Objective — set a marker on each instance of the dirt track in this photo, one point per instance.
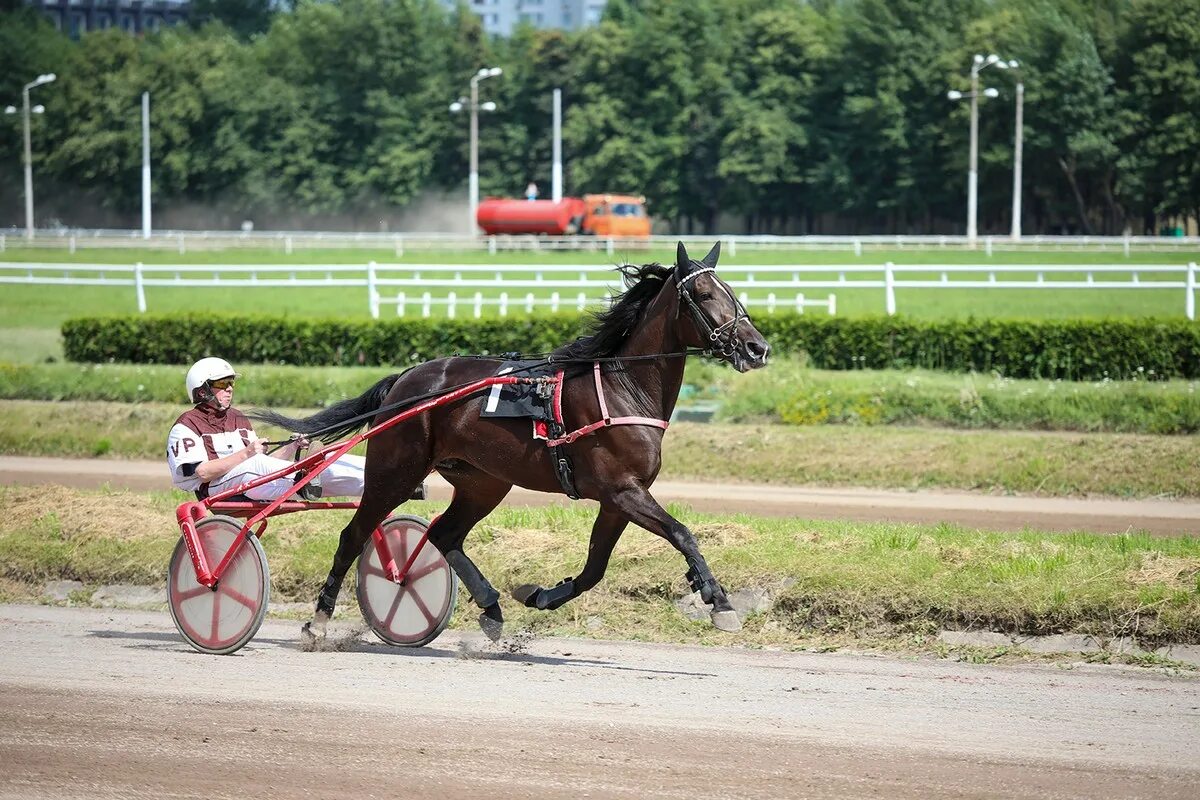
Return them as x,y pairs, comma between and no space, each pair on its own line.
1161,517
108,704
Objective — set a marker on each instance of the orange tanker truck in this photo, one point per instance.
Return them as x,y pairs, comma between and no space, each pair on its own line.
617,215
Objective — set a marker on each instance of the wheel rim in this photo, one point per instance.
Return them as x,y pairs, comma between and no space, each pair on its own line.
219,621
417,611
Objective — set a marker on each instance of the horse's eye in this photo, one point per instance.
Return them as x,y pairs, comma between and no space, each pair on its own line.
703,296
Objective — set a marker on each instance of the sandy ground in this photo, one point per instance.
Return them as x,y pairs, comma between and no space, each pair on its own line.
112,704
1162,517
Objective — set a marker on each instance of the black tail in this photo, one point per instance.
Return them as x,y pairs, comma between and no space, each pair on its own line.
337,421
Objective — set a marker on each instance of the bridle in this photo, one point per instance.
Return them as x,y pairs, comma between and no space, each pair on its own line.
721,337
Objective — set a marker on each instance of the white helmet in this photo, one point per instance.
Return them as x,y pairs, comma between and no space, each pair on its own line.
205,370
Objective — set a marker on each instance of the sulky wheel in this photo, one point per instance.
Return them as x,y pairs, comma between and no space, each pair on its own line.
223,620
414,612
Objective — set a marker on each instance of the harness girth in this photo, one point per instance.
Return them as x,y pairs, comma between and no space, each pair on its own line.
550,393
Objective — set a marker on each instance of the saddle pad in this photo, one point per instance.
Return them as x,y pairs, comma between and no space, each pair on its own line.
520,399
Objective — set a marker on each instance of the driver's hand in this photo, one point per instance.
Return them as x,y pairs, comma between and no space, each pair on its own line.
300,441
256,448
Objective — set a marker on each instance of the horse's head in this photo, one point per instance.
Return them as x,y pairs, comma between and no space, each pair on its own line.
719,322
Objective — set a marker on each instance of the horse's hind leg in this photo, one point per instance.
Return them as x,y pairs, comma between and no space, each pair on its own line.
476,494
606,530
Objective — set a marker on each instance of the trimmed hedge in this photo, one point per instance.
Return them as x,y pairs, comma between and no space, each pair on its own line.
1065,349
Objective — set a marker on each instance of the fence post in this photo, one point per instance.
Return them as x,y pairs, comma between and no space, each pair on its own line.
987,246
401,297
372,292
1190,303
732,247
799,302
399,247
832,304
889,283
857,247
1127,244
71,244
287,245
451,301
141,289
581,302
492,245
529,303
554,302
426,303
181,247
609,247
478,305
770,302
2,243
504,304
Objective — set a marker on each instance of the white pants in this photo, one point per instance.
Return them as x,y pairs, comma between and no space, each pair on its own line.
342,478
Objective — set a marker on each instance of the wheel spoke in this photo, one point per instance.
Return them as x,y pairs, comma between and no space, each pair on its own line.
190,593
238,597
401,559
371,569
416,596
216,617
387,623
415,574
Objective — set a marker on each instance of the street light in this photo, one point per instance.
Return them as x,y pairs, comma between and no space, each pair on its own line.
979,64
1018,138
474,106
38,109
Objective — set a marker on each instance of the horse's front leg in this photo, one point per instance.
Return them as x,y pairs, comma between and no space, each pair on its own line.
636,503
606,530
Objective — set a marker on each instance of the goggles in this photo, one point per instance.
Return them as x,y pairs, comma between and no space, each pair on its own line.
221,384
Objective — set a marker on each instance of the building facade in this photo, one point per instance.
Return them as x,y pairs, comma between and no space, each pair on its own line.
500,17
77,17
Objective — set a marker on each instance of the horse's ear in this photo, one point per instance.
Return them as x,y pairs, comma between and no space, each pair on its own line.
710,260
681,256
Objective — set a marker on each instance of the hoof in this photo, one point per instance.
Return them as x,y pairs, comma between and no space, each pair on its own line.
310,635
726,621
313,632
493,629
525,593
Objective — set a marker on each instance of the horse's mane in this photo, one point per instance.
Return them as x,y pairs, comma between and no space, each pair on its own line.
611,327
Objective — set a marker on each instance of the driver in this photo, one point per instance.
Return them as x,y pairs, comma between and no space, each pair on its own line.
213,446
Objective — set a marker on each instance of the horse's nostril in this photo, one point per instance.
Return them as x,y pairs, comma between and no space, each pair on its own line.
757,350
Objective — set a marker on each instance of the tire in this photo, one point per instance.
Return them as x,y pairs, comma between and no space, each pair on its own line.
222,621
413,613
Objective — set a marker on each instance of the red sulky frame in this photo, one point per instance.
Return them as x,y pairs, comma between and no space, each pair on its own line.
258,513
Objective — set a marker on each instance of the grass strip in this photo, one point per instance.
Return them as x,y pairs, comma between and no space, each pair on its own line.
841,582
787,392
1045,464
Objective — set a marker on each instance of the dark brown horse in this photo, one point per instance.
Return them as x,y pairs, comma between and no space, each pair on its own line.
640,342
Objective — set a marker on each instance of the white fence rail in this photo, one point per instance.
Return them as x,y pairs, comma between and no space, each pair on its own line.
288,242
478,286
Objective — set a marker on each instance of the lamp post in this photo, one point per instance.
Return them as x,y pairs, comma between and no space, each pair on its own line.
1018,138
474,106
25,110
979,64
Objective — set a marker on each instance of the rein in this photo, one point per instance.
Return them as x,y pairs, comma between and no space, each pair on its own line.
721,336
547,360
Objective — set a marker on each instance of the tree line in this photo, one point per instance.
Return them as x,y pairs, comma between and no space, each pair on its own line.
827,116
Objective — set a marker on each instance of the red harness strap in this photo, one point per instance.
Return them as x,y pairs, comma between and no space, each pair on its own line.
607,421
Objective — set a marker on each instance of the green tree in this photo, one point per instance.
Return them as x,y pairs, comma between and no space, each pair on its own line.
1160,79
